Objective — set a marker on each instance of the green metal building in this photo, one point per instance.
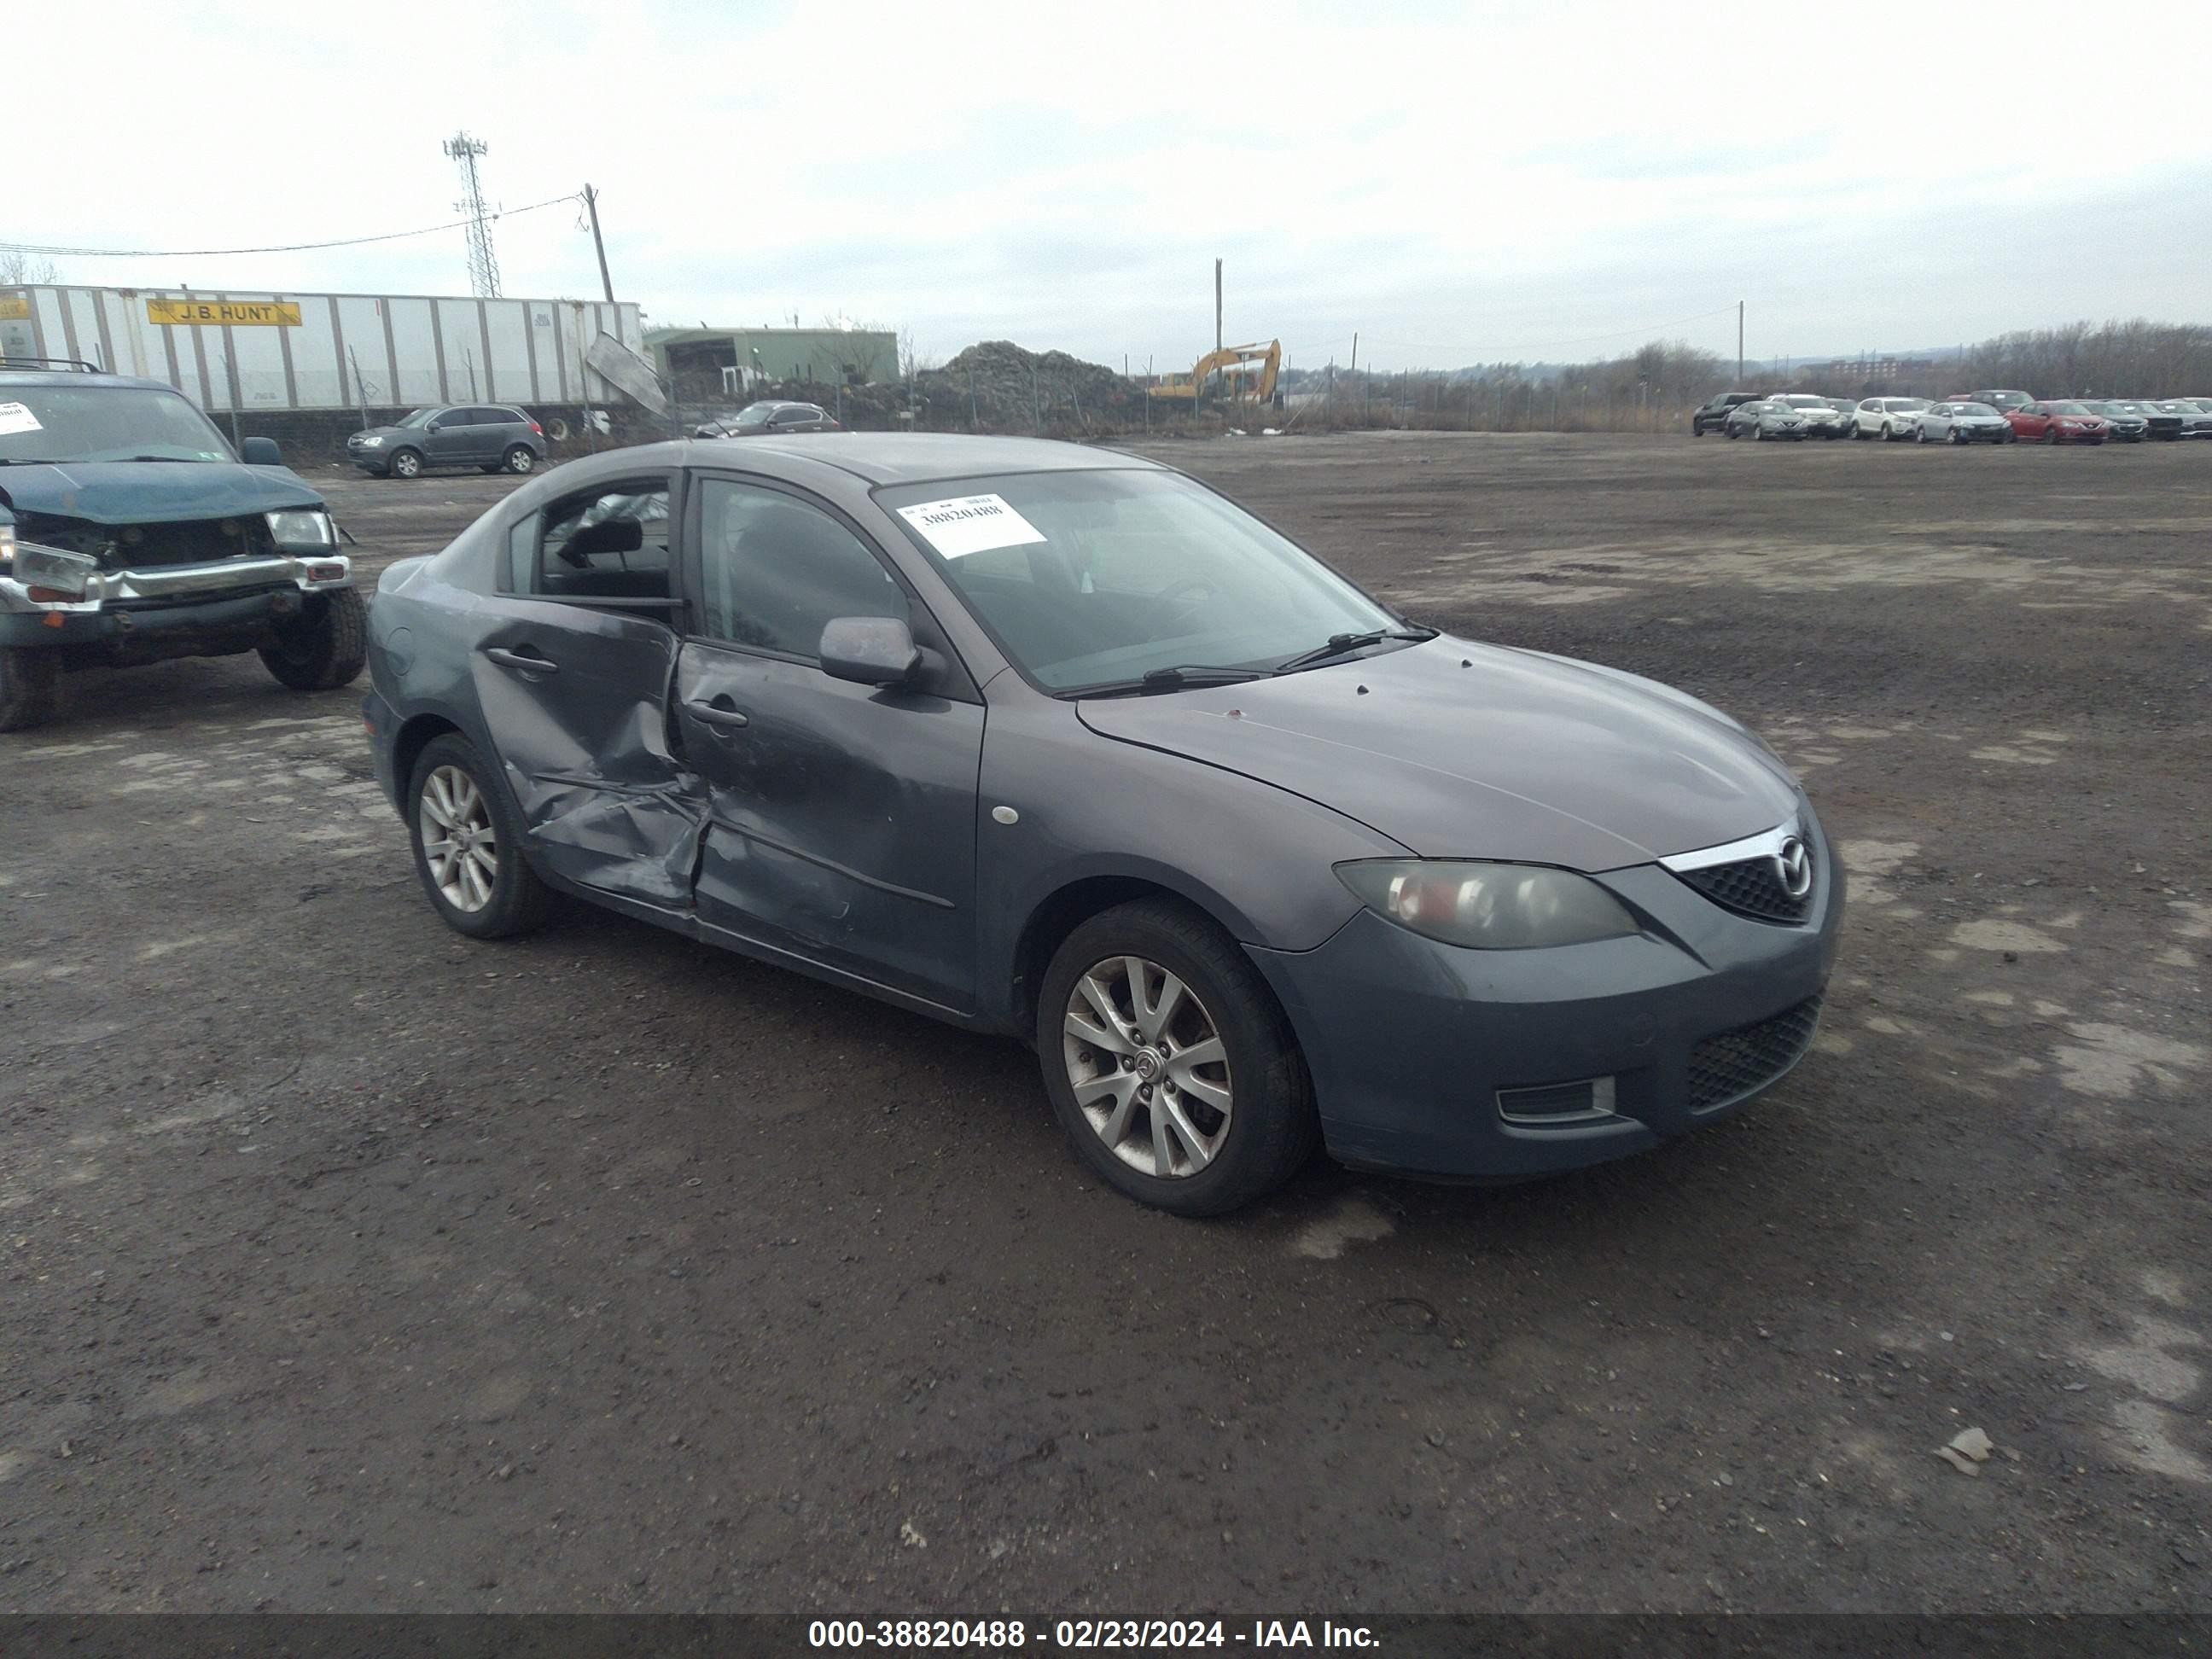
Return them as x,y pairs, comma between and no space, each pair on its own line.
703,362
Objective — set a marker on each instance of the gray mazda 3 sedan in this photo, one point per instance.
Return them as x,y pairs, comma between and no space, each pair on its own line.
1060,744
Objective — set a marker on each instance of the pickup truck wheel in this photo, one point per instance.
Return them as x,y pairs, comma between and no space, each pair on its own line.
468,844
325,645
30,687
405,464
520,459
1169,1064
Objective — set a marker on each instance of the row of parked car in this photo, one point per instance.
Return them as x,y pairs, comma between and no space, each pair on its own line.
502,438
1992,416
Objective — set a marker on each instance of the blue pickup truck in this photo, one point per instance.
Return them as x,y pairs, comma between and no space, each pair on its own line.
130,532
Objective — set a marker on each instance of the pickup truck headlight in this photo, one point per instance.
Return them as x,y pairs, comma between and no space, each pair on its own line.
7,547
302,529
1488,907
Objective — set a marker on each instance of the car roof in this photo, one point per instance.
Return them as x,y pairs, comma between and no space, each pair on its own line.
78,377
887,458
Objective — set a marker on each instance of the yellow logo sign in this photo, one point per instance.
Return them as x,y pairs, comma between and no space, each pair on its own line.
238,313
14,307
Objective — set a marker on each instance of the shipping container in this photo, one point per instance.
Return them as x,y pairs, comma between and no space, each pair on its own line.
251,350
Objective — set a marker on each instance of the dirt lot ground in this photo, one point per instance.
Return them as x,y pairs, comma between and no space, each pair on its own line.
350,1265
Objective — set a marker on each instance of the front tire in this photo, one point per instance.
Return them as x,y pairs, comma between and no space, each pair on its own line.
520,459
468,844
30,687
1169,1064
325,645
405,464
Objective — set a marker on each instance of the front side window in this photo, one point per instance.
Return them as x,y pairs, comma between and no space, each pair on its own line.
419,419
774,570
104,423
1093,578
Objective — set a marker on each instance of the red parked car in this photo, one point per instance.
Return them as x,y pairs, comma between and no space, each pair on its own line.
2058,421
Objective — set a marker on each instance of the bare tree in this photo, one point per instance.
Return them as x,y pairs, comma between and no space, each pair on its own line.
19,269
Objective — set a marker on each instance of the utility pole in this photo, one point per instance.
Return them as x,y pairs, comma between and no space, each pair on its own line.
592,206
1739,345
1217,305
483,269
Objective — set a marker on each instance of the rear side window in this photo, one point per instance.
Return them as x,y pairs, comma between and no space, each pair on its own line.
610,543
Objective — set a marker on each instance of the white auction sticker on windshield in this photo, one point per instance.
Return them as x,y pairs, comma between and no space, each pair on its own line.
972,524
17,417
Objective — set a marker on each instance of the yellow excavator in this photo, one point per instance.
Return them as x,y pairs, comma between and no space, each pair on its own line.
1247,374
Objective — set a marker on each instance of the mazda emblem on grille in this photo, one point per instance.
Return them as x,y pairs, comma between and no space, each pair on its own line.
1793,863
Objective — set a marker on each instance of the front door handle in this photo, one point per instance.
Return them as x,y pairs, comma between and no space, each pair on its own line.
528,662
716,714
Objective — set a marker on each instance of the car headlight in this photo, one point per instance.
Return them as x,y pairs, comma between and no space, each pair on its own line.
302,529
1488,907
372,441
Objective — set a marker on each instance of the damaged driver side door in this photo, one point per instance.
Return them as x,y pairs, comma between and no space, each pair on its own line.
571,667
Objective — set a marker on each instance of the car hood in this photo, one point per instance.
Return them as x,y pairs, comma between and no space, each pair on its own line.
388,432
1458,750
153,492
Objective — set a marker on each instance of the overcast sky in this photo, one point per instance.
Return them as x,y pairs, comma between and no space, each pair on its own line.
1458,183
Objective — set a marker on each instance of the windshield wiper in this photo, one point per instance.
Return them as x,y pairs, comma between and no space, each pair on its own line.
181,460
1168,679
1339,644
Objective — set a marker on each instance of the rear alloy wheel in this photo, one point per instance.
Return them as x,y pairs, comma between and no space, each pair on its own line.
468,847
406,464
520,459
325,645
1168,1063
30,687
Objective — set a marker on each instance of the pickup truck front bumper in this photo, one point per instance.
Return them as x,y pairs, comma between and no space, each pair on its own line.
172,610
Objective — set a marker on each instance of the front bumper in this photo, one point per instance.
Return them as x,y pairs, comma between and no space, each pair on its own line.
1411,1042
173,609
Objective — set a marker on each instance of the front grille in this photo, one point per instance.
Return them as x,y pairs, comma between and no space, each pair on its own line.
1750,887
1725,1068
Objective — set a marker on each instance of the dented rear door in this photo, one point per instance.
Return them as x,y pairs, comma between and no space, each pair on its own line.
573,697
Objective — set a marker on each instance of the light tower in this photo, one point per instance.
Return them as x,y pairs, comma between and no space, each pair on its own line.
483,268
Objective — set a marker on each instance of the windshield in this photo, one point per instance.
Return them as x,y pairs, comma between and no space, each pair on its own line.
1087,578
1803,402
104,423
756,414
2069,408
1971,409
1905,405
420,417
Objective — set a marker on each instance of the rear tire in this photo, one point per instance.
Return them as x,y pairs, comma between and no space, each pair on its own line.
30,687
325,646
465,791
405,464
520,459
1270,1127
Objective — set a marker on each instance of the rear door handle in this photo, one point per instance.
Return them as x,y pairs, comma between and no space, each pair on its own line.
713,714
527,661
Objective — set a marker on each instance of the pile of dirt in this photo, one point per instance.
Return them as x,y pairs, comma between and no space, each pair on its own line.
1003,387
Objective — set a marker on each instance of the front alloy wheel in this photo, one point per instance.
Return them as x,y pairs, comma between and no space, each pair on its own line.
1169,1064
1145,1061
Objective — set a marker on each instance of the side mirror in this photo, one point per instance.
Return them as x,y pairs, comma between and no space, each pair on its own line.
869,651
261,452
